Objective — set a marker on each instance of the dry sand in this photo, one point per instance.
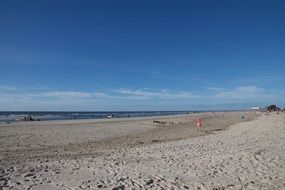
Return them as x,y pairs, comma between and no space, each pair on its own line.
75,138
136,154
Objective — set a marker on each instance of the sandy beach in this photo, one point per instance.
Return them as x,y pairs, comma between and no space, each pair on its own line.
142,95
136,153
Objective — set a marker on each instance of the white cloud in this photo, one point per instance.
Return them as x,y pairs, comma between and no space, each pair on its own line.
100,95
26,99
161,94
40,99
66,94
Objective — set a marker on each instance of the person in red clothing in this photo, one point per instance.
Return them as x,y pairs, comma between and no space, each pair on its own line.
198,123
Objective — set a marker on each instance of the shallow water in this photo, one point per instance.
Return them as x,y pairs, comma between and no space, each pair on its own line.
44,116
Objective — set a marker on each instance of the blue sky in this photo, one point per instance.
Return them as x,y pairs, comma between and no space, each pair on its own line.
141,55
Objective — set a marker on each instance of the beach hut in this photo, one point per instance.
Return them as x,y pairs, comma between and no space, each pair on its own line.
255,108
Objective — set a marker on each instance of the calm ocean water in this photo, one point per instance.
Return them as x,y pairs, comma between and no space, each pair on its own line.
44,116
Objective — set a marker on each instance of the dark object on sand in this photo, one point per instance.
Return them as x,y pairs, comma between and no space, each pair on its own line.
159,122
272,108
29,118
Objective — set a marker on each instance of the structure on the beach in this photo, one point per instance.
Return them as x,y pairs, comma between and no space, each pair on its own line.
273,107
255,108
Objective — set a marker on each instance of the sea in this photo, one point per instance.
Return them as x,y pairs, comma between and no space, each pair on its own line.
45,116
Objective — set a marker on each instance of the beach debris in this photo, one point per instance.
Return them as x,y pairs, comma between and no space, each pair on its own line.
109,116
159,122
155,140
165,122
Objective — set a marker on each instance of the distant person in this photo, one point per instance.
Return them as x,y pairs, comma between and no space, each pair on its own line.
198,123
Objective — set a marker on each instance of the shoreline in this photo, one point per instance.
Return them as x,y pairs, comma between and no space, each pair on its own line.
118,119
112,118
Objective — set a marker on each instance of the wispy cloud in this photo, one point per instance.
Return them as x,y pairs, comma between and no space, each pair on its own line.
215,88
4,88
12,98
68,95
244,93
64,94
162,94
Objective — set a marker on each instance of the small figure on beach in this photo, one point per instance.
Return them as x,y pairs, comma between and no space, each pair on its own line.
28,118
198,123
